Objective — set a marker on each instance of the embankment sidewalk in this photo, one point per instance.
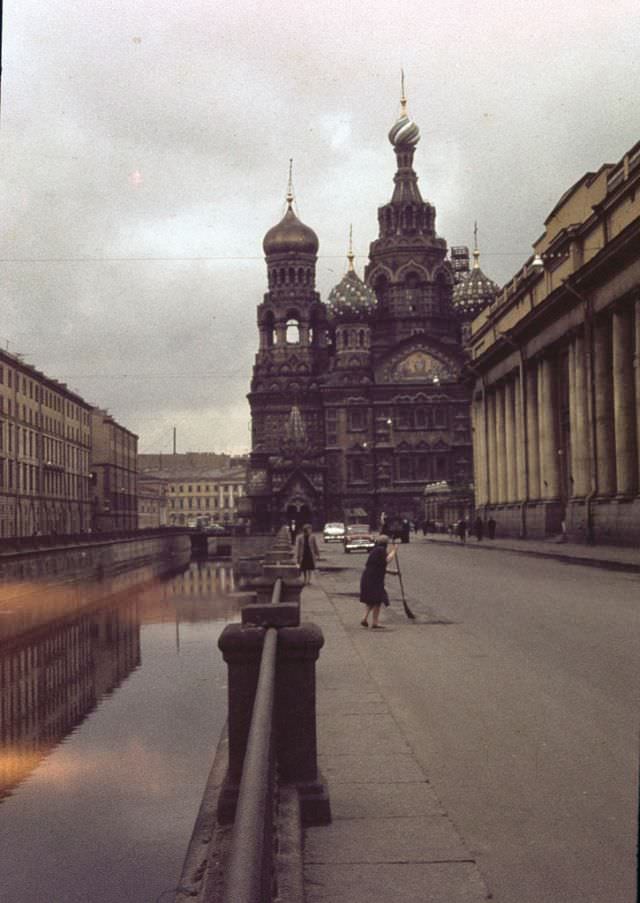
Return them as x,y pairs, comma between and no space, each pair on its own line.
619,558
390,838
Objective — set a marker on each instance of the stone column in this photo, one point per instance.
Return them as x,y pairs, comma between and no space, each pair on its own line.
580,457
605,442
573,460
491,448
636,366
501,472
509,442
549,470
479,452
624,402
520,434
533,438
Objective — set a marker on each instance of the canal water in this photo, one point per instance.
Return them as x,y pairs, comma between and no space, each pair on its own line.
110,714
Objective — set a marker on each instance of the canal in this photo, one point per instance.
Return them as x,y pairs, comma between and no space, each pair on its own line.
110,713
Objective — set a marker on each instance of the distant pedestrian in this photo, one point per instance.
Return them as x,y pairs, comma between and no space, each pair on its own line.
491,528
372,591
462,530
307,552
478,527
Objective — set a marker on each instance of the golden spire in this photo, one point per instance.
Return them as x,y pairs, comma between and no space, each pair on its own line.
290,184
476,252
350,254
403,98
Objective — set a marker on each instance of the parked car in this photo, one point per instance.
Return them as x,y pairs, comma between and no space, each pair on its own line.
218,530
333,532
358,538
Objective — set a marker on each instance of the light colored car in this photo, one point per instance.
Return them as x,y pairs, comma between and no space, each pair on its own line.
358,538
333,532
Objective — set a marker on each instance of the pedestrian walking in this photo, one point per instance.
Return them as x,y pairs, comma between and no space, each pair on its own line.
479,528
491,528
462,530
307,552
372,591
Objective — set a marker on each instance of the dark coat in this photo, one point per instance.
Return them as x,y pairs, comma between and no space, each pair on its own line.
372,591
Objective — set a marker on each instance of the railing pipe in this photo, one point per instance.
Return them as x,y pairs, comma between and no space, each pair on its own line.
250,868
276,595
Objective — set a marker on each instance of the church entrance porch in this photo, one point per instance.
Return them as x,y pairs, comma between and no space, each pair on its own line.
297,515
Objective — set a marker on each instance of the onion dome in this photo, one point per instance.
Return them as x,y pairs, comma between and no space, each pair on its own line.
351,299
290,235
404,132
474,290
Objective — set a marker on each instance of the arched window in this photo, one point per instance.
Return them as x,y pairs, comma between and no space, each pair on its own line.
381,288
270,330
293,331
361,338
300,276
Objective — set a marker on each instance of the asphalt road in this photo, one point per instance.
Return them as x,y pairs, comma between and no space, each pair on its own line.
517,688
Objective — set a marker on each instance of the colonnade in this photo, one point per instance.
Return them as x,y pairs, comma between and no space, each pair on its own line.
564,424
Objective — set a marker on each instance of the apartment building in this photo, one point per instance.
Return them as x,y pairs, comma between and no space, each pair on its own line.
45,439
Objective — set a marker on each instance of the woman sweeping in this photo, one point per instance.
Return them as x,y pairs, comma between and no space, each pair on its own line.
307,552
372,591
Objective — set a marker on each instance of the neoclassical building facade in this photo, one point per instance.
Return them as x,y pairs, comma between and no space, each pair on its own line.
358,403
555,364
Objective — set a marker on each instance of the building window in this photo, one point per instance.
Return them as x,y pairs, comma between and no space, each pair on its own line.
440,419
421,418
357,419
405,467
423,470
356,469
404,417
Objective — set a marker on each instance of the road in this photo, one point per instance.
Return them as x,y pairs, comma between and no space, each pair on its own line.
517,688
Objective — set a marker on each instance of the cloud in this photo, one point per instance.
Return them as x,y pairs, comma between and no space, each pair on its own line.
145,153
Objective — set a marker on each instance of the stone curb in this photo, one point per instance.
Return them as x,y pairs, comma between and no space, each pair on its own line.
609,564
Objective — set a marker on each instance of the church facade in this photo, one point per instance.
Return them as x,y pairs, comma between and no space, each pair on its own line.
358,404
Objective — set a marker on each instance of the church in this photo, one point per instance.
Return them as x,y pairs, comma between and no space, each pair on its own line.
359,403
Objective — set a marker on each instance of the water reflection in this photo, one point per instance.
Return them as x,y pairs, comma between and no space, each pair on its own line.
109,716
51,679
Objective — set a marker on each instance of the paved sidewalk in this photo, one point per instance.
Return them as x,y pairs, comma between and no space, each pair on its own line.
390,838
620,558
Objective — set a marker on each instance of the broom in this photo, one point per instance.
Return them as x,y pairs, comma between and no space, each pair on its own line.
398,573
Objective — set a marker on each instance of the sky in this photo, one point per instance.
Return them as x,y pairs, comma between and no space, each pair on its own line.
144,152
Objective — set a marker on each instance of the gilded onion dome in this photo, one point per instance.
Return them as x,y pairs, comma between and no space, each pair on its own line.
475,290
351,300
290,235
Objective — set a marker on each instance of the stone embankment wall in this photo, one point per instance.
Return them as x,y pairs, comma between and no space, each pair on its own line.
95,558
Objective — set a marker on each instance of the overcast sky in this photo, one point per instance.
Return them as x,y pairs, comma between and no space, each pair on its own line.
145,148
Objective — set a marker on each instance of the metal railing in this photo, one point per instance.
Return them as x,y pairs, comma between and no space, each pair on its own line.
250,873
